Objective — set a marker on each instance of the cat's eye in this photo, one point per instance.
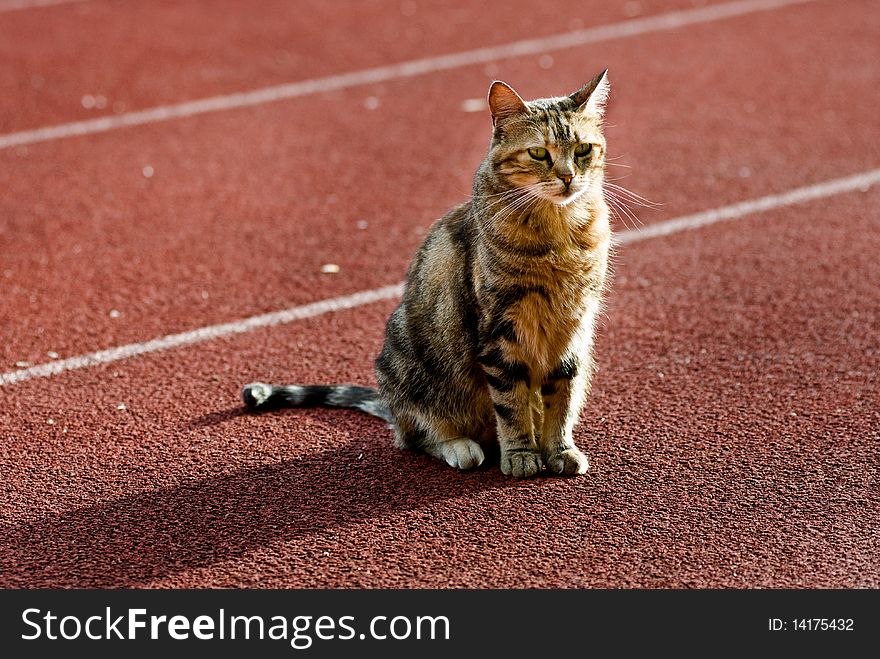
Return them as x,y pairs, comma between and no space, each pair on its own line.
582,150
539,153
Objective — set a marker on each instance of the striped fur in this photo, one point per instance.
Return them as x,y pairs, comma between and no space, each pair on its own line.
493,339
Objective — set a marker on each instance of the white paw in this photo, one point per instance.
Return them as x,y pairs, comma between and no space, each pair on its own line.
570,461
462,453
256,393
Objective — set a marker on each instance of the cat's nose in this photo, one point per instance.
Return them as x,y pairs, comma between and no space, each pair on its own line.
565,178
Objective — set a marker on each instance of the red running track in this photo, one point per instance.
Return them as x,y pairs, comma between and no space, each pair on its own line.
733,427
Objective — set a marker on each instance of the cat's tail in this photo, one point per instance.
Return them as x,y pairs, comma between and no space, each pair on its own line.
260,396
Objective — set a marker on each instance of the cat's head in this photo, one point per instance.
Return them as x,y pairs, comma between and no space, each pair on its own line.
550,148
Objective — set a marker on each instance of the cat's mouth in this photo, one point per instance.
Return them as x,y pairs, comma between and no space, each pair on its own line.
563,196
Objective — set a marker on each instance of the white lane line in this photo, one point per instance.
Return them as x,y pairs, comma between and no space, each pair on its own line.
741,209
15,5
668,21
862,181
205,334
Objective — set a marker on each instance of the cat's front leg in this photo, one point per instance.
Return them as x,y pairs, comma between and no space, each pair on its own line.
509,388
564,391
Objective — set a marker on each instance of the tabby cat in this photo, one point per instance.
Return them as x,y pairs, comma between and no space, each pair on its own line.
493,339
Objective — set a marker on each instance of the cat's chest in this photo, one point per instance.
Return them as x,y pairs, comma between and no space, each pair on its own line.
544,305
548,323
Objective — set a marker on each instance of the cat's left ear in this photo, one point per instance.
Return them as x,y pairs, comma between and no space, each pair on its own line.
590,98
504,102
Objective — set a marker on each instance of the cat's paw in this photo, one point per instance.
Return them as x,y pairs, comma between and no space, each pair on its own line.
570,461
256,394
520,463
462,453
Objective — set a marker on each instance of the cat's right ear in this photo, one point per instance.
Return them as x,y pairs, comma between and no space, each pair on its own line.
591,98
505,103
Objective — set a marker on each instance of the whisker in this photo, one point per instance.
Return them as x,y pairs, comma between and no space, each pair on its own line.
515,195
497,194
527,199
621,217
632,196
616,212
622,209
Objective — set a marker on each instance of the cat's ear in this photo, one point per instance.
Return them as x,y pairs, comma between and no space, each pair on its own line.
504,102
590,99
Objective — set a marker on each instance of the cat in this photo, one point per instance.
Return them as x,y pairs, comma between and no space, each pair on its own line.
492,343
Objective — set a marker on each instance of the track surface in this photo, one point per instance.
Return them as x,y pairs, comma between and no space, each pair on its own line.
734,426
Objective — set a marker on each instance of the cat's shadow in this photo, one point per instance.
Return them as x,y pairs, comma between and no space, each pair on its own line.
140,538
216,418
